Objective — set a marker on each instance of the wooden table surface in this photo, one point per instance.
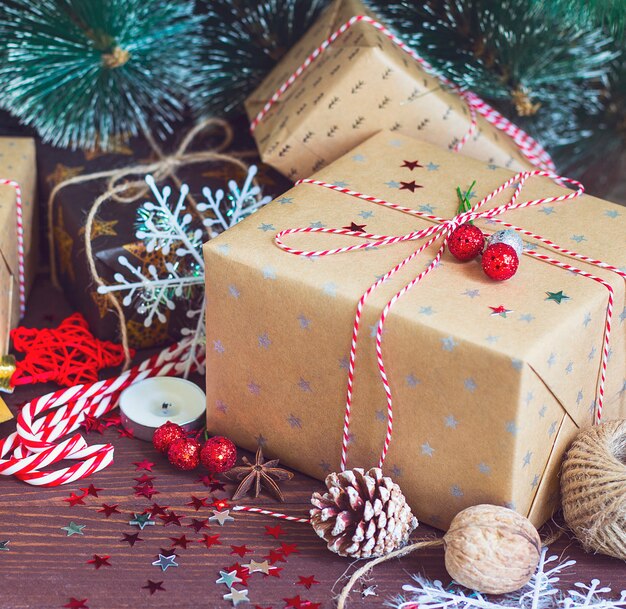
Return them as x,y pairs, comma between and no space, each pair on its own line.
45,568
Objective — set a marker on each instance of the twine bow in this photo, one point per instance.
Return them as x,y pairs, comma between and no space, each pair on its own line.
442,230
123,186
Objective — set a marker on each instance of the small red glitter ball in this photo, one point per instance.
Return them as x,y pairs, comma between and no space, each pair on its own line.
184,453
500,261
218,454
165,435
466,242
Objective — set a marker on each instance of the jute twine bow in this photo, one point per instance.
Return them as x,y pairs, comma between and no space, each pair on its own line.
127,185
593,489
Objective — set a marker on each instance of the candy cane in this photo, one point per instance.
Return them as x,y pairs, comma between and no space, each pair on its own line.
33,445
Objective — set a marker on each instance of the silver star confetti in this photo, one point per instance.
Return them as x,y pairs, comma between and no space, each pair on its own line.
141,521
221,517
258,567
165,562
229,579
74,529
237,596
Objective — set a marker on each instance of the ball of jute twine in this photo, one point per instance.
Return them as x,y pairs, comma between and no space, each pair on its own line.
593,489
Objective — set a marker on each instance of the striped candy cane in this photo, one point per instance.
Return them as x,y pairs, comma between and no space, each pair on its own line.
33,446
19,225
441,230
530,148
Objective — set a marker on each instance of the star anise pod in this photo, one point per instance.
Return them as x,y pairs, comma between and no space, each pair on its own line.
260,473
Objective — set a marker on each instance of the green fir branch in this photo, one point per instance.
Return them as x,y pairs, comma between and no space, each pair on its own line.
243,41
85,72
539,69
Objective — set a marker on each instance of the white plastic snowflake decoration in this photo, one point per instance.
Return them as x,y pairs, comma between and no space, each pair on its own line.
162,228
540,593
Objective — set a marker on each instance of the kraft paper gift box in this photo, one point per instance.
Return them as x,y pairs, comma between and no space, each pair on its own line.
491,380
17,163
361,83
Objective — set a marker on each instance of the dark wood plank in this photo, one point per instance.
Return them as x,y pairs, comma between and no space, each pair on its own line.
44,567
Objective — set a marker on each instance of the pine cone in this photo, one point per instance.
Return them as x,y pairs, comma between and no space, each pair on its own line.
363,514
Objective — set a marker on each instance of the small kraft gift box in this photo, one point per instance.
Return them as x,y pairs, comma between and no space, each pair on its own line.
350,77
486,382
18,251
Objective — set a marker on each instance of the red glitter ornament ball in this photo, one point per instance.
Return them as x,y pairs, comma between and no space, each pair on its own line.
218,454
466,242
500,261
184,453
166,435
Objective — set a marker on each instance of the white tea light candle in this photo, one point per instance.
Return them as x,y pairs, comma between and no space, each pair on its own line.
152,402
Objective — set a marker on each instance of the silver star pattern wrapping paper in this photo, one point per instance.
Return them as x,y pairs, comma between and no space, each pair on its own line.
17,162
361,83
491,380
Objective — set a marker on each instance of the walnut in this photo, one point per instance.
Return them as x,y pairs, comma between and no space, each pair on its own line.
491,549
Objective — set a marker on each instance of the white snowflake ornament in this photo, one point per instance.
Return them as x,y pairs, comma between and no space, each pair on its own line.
173,232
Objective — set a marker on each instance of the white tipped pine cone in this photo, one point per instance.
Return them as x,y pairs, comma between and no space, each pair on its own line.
363,514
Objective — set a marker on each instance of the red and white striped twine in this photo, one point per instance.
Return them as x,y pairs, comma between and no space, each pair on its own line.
19,225
246,508
529,147
442,230
33,446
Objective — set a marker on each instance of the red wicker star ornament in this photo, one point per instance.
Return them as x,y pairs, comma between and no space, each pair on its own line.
68,354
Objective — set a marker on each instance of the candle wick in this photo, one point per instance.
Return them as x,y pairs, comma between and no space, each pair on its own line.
165,406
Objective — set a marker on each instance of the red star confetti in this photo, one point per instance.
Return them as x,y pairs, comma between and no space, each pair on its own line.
355,228
412,186
76,603
171,518
275,571
210,540
112,420
275,556
501,311
241,551
411,165
215,485
107,510
197,503
125,433
67,355
131,539
145,464
310,605
307,582
99,561
75,499
180,542
145,480
295,603
242,572
91,490
288,548
145,490
220,504
158,510
197,525
91,423
275,532
205,479
153,587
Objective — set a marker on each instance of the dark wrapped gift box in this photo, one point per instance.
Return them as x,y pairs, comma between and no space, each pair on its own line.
114,229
